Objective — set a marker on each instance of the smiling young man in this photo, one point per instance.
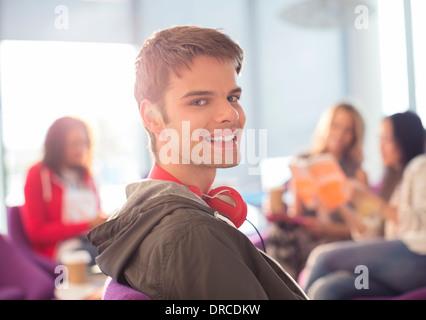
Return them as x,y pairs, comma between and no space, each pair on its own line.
168,240
201,99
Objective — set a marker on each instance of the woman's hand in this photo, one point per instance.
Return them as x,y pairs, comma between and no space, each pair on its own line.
313,225
364,200
101,218
356,190
389,213
273,206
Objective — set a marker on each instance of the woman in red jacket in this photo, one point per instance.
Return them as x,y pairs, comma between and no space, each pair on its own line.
61,200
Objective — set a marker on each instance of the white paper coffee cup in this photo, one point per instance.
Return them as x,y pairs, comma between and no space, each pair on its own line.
76,262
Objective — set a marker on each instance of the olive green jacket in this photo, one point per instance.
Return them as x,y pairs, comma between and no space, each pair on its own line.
167,243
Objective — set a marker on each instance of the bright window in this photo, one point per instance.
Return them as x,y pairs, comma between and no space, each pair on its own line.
42,81
418,8
393,56
393,53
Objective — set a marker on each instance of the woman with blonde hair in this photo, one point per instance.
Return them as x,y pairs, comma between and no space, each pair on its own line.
296,230
340,131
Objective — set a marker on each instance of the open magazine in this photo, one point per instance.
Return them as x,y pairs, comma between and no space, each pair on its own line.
319,180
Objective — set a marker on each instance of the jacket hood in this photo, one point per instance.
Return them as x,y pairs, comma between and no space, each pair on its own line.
148,202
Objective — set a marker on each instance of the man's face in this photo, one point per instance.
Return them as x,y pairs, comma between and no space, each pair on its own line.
202,106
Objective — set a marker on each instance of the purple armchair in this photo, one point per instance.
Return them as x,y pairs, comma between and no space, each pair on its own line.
24,274
20,277
415,294
18,236
116,291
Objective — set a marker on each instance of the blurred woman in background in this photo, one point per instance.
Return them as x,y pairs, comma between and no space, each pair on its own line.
61,200
297,229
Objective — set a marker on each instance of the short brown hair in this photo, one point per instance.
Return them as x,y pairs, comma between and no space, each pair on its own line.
170,49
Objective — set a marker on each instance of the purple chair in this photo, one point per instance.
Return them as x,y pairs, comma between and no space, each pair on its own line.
415,294
20,277
116,291
19,237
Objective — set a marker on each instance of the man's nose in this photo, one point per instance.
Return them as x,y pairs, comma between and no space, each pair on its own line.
227,113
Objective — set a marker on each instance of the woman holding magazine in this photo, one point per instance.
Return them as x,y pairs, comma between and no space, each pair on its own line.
389,265
297,229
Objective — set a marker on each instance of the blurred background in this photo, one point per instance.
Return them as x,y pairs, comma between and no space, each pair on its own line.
76,57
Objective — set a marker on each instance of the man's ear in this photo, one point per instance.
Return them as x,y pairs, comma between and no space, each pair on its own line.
151,116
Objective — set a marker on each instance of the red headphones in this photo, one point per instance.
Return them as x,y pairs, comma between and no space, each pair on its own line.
225,200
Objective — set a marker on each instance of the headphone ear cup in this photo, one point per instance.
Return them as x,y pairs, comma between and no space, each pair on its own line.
236,211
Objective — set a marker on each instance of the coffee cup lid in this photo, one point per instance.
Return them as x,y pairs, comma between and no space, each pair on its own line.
78,256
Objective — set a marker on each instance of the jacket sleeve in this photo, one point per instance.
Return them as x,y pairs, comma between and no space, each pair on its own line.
44,228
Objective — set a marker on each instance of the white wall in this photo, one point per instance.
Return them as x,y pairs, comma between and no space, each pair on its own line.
301,74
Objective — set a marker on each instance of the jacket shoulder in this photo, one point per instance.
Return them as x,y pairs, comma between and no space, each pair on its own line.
179,250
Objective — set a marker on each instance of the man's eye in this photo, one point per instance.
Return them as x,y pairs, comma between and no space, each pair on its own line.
199,102
233,99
